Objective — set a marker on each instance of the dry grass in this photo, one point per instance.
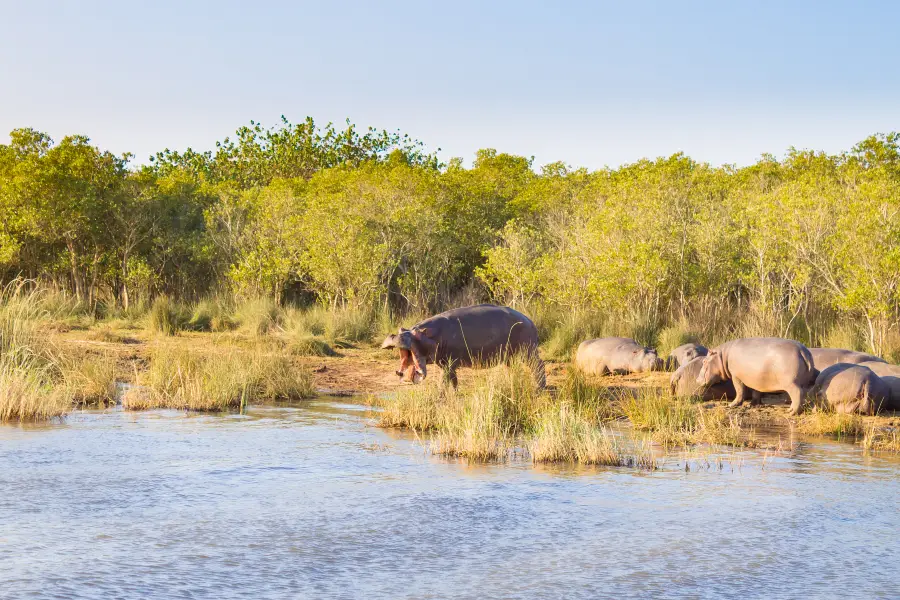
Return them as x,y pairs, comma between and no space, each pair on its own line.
824,421
562,435
29,374
225,379
90,377
881,440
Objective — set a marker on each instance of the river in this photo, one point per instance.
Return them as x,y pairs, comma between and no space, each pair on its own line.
312,501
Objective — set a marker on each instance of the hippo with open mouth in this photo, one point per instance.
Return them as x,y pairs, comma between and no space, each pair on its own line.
471,336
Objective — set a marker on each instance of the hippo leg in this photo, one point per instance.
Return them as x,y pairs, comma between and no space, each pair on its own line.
739,389
755,398
450,375
540,372
797,394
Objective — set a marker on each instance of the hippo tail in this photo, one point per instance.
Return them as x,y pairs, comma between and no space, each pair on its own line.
811,367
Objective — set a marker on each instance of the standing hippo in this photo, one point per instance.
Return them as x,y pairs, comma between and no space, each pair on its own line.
825,357
684,354
616,355
470,336
890,374
852,388
684,383
763,364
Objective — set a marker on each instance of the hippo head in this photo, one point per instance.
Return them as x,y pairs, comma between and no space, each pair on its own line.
645,359
415,347
713,369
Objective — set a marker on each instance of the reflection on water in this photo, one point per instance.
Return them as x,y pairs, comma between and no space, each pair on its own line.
314,502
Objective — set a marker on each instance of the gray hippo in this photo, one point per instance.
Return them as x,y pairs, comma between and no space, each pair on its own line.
469,336
684,383
763,364
852,388
890,374
825,357
684,354
615,355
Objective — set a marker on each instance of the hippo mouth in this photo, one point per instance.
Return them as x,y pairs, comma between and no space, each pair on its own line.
411,369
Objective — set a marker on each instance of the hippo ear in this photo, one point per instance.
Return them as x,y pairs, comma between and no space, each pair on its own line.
390,341
420,332
402,329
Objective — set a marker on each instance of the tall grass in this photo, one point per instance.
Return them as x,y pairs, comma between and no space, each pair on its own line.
224,379
258,316
166,316
563,435
29,373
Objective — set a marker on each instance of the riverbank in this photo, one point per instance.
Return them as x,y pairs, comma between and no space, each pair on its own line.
640,401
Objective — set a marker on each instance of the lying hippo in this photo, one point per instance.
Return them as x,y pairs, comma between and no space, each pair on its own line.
890,374
852,388
684,383
825,357
684,354
763,364
470,336
615,355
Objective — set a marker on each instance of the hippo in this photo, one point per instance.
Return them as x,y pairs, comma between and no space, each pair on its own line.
825,357
684,354
890,374
468,336
684,383
850,388
763,364
616,355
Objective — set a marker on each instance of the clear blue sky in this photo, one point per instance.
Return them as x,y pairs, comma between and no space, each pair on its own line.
588,83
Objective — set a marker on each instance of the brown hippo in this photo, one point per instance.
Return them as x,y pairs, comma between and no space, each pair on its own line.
684,383
684,354
852,388
469,336
615,355
763,364
825,357
890,374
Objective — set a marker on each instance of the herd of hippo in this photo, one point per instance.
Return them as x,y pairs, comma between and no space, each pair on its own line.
849,381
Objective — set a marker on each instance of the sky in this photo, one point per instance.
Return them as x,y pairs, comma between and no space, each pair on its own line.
591,84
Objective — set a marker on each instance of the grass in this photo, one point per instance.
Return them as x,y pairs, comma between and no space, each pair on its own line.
310,345
90,377
560,337
822,420
30,387
589,400
225,379
563,435
258,316
675,335
673,421
880,440
166,317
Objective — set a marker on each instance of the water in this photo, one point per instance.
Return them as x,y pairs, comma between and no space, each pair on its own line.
313,502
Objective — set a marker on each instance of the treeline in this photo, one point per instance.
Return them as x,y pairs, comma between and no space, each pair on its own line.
370,220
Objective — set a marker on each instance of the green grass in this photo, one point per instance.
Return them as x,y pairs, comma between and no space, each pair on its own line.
258,316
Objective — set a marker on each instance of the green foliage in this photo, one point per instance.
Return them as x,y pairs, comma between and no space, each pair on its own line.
366,220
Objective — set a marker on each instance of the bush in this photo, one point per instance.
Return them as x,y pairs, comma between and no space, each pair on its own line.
166,316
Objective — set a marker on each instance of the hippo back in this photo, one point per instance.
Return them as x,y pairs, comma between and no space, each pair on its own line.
852,388
480,332
825,357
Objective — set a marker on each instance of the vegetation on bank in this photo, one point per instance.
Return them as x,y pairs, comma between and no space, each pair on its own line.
800,247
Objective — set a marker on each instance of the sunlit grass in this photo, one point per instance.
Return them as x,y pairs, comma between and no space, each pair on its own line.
822,420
